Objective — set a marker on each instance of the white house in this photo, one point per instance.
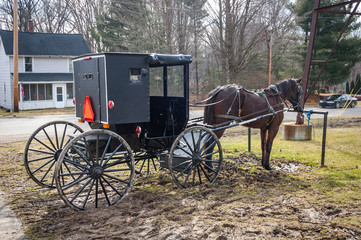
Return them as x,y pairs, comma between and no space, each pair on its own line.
45,69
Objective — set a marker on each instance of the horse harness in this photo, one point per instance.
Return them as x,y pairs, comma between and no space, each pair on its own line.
270,109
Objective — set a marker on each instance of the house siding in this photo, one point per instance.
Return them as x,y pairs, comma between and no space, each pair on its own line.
50,65
5,86
51,57
43,65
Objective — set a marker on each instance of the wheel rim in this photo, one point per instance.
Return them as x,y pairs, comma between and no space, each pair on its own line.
43,149
195,157
94,170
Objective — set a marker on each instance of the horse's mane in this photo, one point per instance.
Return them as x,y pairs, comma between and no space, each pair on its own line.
282,87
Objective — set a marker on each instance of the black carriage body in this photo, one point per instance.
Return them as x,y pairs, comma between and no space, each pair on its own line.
148,90
106,77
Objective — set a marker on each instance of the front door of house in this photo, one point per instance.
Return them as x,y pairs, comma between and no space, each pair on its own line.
59,95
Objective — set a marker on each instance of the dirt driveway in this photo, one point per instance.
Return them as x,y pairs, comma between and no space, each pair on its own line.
246,202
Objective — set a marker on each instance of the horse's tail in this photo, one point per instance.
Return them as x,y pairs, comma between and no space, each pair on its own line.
208,116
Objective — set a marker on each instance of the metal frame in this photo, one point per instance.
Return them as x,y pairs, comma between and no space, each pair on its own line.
309,61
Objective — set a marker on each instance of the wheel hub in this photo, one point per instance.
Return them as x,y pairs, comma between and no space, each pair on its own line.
196,160
97,172
57,154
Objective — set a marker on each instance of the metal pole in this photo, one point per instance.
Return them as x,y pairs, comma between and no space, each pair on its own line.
249,139
324,139
306,72
16,62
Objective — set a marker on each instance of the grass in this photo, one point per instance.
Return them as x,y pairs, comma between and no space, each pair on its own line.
339,180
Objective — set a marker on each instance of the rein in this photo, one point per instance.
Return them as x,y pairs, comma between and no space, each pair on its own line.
200,103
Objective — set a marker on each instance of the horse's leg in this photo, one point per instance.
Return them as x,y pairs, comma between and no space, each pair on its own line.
263,143
272,132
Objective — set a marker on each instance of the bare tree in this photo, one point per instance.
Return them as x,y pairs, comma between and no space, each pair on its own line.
236,28
26,11
52,16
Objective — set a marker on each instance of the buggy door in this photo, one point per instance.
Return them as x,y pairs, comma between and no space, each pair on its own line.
86,83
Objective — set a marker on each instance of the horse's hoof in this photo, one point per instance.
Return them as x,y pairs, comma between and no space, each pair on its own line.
267,167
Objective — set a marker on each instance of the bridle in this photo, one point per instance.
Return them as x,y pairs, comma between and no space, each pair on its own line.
297,103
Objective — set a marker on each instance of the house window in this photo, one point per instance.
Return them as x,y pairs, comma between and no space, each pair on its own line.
35,92
69,91
41,92
28,64
49,91
26,89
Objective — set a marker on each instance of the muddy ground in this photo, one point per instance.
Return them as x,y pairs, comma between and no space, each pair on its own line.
245,202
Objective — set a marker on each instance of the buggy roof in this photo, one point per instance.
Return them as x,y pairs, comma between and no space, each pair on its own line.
153,59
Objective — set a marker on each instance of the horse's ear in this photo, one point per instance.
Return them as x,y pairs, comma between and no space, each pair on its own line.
299,80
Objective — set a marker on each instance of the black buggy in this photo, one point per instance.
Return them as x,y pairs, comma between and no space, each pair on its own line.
137,106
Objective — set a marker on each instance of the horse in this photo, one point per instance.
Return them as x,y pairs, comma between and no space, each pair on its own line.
232,102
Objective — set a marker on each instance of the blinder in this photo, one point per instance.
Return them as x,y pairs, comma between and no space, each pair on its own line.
296,102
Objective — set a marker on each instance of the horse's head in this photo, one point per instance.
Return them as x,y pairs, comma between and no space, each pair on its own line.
295,94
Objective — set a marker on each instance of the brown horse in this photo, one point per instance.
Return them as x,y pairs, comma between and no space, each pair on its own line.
234,103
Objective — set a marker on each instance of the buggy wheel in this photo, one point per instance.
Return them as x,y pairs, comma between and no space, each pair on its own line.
146,162
43,149
100,168
195,157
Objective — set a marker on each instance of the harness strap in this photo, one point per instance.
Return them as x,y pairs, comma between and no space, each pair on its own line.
199,104
237,118
270,108
234,99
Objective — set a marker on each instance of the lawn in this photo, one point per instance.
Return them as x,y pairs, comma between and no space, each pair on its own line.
296,200
341,176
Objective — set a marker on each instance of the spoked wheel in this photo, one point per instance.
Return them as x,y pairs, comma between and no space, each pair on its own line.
43,149
99,168
195,157
146,162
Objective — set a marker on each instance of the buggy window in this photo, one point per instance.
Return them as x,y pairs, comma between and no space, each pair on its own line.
156,81
174,78
135,75
175,81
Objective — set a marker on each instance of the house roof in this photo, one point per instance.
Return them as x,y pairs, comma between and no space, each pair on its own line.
45,77
45,44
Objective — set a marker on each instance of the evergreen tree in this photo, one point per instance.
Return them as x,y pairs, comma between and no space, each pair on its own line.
352,87
347,88
329,27
358,83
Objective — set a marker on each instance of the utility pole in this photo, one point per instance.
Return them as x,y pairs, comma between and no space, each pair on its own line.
270,61
16,56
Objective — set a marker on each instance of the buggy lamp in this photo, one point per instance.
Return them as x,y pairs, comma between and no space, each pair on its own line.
106,125
138,130
80,121
110,104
